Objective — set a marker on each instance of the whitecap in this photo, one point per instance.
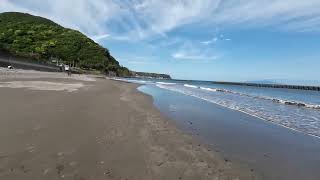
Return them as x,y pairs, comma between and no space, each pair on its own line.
190,86
165,83
208,89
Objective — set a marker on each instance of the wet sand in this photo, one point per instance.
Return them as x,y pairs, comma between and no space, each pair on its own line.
97,130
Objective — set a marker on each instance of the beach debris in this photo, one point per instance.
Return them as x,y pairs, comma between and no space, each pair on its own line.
59,168
24,169
31,149
266,155
46,171
161,163
108,173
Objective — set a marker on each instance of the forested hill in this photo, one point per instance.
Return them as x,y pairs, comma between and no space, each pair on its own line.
41,39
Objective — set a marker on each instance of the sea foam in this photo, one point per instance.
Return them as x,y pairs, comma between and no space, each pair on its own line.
165,83
299,116
190,86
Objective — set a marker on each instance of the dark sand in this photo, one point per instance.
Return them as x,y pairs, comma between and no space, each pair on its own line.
103,130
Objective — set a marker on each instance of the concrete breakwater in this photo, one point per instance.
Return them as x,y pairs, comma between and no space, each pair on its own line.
285,86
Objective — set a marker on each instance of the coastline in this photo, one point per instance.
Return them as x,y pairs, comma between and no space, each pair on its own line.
102,130
273,151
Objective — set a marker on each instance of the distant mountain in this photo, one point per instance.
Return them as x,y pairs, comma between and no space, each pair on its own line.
33,37
150,75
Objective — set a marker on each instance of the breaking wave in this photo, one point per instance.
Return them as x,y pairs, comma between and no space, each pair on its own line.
208,89
190,86
299,116
275,100
165,83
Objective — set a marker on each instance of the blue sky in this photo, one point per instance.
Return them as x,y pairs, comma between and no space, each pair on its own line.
227,40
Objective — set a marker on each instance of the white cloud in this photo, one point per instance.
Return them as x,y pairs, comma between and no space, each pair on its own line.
188,51
190,56
100,37
281,14
136,19
140,19
215,39
166,15
90,17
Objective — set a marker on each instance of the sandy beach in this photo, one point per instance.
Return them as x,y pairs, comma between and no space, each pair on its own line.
86,128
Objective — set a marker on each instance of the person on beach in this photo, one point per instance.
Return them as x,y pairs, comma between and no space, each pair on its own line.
67,69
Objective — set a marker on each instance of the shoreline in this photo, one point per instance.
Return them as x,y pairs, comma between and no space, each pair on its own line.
106,129
274,152
240,111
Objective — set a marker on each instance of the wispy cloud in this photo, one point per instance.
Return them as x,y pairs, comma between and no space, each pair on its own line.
215,39
140,19
90,17
188,51
191,56
100,37
293,15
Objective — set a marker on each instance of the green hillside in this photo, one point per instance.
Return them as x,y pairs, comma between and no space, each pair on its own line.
41,39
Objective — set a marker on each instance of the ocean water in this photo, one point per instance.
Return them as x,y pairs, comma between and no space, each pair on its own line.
298,110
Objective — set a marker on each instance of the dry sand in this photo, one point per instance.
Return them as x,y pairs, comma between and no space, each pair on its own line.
79,129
